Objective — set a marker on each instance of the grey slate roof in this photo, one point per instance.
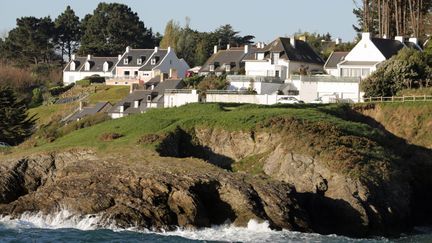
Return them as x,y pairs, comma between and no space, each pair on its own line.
96,64
233,57
388,47
334,59
302,52
414,46
159,55
87,111
142,95
133,55
358,63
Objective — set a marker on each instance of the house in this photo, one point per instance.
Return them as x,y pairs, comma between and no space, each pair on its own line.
151,96
226,61
370,52
81,67
283,57
331,65
141,65
88,111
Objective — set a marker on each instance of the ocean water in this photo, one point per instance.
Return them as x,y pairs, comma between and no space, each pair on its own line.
66,227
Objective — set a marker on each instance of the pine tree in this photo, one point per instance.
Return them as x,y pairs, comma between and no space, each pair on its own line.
68,32
15,125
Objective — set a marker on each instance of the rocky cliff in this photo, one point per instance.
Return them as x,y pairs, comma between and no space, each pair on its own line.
153,193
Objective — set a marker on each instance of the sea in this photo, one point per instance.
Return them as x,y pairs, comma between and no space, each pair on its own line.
66,227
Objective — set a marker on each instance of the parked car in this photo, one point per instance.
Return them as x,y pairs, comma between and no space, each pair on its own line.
4,145
289,100
317,101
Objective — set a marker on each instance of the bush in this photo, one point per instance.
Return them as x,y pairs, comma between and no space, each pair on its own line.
83,82
213,82
96,79
58,90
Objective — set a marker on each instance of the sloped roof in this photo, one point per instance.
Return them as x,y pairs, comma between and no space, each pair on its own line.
159,55
302,52
233,56
334,59
86,111
168,84
96,64
133,55
388,47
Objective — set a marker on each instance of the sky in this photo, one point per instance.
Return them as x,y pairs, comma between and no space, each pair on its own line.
265,19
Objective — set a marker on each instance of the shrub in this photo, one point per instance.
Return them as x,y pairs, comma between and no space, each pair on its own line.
83,82
213,82
96,79
58,90
106,137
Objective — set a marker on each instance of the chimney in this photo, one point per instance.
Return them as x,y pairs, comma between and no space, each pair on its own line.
131,89
156,49
215,49
400,39
119,57
128,49
338,41
89,57
366,35
292,42
73,57
136,103
414,40
169,48
228,46
122,108
246,49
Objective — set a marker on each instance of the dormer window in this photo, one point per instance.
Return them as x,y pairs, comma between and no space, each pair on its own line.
153,61
228,67
87,66
139,61
212,67
72,66
149,98
126,61
106,67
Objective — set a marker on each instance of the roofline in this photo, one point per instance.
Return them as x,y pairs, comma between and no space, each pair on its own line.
328,59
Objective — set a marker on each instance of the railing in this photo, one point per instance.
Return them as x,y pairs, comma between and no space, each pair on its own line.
259,79
234,92
325,79
179,91
398,99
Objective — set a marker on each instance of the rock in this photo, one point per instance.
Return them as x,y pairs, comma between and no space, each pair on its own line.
162,194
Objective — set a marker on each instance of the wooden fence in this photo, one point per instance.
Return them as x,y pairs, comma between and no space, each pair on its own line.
398,99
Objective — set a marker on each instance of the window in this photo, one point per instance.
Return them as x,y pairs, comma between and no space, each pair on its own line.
139,61
136,73
275,58
365,72
72,66
228,68
126,61
211,68
126,73
149,98
153,61
170,62
115,82
277,74
126,82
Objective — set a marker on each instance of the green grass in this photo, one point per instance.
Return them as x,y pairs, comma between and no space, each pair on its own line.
46,113
415,92
111,94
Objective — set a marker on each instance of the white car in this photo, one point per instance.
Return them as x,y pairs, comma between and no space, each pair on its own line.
289,100
317,101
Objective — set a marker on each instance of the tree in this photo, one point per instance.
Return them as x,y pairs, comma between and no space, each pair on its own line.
31,42
111,28
171,34
68,33
408,69
15,125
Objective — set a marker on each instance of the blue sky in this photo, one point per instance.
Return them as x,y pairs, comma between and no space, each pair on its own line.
266,19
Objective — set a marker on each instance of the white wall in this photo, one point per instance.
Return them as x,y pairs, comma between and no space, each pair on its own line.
71,77
179,99
365,51
333,72
239,98
171,61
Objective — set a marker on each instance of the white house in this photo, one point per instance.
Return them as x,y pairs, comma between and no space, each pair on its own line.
228,61
331,65
370,52
141,65
283,57
81,67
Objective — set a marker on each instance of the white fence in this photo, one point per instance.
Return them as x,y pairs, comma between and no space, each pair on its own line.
179,97
243,98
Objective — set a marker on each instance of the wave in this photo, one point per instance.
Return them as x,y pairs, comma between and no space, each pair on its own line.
254,232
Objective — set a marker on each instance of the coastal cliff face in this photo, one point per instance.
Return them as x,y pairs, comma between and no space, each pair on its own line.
335,201
155,193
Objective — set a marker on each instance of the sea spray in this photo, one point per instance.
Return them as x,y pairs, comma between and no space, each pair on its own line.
90,225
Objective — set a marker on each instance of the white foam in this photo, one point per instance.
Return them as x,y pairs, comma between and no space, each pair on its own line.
254,232
64,219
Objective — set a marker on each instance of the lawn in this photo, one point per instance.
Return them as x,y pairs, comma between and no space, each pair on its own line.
111,94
